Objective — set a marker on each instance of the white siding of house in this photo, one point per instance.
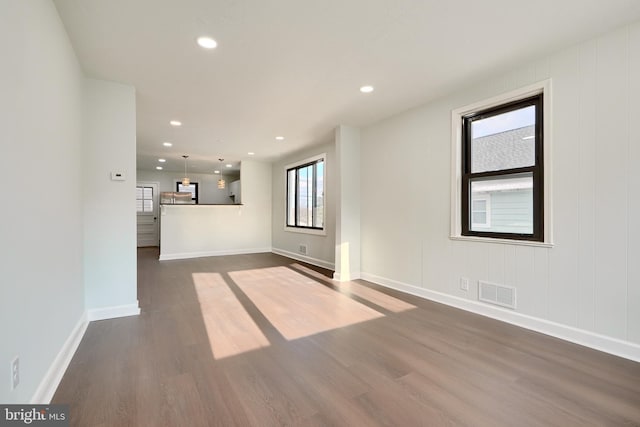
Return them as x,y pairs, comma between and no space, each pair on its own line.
511,211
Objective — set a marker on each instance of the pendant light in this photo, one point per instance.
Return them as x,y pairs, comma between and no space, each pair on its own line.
221,182
185,180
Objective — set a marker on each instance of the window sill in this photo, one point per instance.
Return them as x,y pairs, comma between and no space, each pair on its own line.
306,231
502,241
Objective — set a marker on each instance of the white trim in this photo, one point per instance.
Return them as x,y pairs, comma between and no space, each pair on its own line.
502,241
113,312
309,260
543,87
352,276
315,231
49,383
202,254
610,345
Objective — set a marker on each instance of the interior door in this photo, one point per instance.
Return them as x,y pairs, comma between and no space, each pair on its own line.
147,211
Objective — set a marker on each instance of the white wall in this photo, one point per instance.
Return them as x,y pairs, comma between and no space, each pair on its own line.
41,291
207,184
591,279
110,214
347,254
192,231
320,249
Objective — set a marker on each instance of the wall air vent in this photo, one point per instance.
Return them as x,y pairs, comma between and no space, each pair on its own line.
504,296
302,249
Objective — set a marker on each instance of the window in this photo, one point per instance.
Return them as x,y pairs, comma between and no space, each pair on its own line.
191,188
500,185
481,211
144,199
502,159
305,194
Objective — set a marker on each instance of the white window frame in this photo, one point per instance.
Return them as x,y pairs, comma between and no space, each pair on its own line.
457,115
153,208
487,200
318,232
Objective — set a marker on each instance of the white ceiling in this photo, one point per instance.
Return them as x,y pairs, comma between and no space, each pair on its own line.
294,67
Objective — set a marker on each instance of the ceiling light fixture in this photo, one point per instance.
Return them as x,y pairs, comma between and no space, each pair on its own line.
229,165
366,89
162,160
159,168
167,144
280,138
207,42
251,153
221,182
185,180
175,123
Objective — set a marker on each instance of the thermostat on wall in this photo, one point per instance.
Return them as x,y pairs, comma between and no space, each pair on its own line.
117,176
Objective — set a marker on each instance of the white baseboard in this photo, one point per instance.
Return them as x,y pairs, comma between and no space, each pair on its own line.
614,346
49,384
352,276
202,254
113,312
304,258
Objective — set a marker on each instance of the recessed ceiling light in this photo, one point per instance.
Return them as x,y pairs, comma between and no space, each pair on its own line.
167,144
280,138
175,123
229,165
159,168
207,42
251,153
216,171
366,89
162,160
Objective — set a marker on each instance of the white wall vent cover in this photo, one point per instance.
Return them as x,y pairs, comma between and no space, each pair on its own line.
504,296
302,249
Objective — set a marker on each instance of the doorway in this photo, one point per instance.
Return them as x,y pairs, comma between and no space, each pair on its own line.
147,214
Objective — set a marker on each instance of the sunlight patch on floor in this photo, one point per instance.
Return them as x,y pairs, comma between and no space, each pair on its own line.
354,288
297,305
230,328
376,297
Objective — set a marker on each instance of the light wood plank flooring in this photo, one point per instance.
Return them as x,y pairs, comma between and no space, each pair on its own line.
260,340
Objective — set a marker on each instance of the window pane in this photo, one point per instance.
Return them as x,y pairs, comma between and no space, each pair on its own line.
508,204
148,206
318,213
480,205
504,141
291,197
479,218
148,192
305,193
138,205
191,188
138,192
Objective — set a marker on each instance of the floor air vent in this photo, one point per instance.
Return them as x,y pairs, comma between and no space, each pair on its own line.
504,296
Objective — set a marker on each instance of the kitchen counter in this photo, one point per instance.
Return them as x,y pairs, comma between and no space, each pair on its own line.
211,230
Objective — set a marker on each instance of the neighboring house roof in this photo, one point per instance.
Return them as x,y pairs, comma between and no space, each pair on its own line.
504,150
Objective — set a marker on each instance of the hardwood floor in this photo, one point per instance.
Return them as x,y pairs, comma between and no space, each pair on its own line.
260,340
